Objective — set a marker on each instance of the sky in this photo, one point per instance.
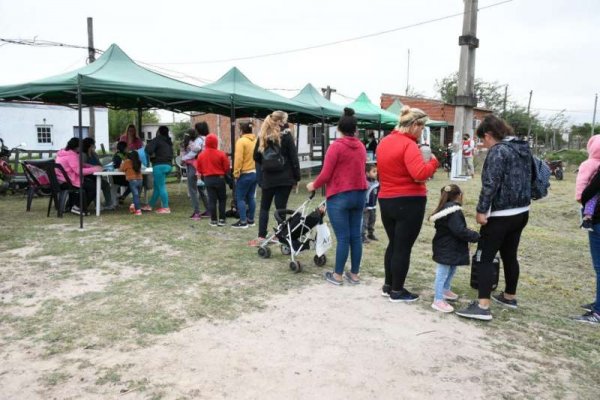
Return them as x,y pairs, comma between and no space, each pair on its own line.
550,47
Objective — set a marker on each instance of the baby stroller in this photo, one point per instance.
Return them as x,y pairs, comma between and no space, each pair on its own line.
295,233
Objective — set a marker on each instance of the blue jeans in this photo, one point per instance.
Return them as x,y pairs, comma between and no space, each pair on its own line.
345,213
160,173
244,196
594,237
443,280
136,186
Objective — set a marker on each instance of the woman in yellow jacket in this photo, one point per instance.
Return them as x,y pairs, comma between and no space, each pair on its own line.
244,172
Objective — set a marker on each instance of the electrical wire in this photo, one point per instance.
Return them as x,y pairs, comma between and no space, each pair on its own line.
336,42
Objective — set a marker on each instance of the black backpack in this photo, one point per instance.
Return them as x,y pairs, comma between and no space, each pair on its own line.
272,159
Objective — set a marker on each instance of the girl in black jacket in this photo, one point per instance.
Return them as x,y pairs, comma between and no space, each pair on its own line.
450,244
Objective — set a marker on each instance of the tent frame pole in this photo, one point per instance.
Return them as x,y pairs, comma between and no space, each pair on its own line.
232,127
79,115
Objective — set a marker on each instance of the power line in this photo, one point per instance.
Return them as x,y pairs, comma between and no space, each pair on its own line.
370,35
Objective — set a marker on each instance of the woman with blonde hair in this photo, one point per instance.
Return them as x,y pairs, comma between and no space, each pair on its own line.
402,197
276,156
131,138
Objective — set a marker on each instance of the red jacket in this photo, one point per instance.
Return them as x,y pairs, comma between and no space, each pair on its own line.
344,167
212,161
401,168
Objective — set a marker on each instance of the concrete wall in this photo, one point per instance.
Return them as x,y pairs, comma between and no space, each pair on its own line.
19,123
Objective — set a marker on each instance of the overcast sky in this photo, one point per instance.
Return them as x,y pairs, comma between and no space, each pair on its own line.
550,47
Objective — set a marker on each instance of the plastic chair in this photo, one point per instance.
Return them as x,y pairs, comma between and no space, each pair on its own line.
37,181
181,171
59,191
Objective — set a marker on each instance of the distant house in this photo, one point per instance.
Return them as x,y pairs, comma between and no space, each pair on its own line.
149,130
47,127
437,110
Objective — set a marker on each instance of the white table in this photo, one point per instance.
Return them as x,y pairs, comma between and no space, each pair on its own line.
109,175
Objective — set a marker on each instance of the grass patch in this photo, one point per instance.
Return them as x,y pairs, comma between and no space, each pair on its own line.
162,272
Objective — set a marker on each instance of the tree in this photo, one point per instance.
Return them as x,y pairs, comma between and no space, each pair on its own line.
119,119
489,95
580,134
178,129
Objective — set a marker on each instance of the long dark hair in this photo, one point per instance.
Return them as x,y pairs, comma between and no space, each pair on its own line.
72,144
134,156
495,126
202,128
448,193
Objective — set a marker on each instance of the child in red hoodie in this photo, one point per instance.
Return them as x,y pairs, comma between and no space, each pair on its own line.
212,165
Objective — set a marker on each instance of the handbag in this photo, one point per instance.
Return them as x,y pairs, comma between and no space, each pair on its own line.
475,268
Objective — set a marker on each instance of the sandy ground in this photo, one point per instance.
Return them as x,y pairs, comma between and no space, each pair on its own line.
323,342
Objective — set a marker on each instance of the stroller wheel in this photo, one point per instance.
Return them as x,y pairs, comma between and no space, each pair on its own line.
320,261
285,249
559,174
295,266
264,252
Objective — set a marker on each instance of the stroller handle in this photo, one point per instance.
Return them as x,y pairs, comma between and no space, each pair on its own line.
312,194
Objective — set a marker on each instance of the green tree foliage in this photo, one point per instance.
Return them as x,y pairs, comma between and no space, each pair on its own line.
489,95
178,129
119,119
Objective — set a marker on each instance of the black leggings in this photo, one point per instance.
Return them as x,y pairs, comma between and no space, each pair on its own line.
500,234
281,195
215,186
402,219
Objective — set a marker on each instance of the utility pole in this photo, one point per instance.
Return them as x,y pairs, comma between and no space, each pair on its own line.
465,99
529,120
594,117
327,92
504,102
91,59
407,73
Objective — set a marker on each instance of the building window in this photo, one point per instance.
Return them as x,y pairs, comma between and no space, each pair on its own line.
315,136
44,134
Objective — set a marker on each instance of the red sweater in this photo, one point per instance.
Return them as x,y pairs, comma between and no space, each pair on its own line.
212,161
401,168
343,167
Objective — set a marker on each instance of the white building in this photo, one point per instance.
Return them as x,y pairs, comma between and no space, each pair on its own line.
47,127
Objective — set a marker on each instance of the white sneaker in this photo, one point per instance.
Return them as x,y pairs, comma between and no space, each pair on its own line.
442,306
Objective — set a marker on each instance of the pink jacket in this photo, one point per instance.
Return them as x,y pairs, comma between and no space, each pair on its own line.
69,159
588,168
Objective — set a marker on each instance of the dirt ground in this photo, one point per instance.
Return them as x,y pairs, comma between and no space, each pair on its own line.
322,342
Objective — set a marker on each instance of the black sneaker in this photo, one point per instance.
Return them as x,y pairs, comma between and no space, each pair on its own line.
589,318
403,296
251,223
475,312
587,225
499,298
221,222
588,307
240,225
385,290
372,237
213,223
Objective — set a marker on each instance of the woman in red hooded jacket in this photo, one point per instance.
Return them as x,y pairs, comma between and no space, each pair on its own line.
402,197
212,165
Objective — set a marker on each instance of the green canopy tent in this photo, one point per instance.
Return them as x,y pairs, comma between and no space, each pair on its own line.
115,80
362,104
246,99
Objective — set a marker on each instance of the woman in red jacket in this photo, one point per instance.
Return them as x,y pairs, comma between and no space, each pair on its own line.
402,197
212,165
344,174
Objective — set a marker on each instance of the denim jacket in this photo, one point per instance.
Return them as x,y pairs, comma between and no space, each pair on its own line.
506,177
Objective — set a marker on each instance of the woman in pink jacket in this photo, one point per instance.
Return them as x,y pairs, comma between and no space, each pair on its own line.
69,159
344,174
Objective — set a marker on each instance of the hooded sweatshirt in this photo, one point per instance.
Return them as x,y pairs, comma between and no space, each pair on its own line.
69,159
506,178
343,167
401,167
588,168
212,161
244,155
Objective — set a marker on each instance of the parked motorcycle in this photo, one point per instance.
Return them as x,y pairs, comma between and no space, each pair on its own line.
556,168
9,180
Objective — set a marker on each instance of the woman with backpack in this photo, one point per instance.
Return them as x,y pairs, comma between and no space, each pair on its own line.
502,212
276,156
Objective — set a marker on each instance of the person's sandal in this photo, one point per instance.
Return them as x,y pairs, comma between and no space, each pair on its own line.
351,280
331,279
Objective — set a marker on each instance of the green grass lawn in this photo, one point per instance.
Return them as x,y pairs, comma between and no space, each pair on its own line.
159,273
